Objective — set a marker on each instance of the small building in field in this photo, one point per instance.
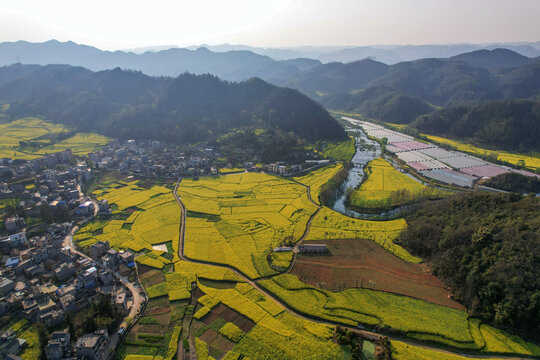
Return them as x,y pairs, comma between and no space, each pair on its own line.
282,249
312,248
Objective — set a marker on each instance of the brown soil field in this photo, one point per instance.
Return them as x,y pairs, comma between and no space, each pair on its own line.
364,264
149,276
229,315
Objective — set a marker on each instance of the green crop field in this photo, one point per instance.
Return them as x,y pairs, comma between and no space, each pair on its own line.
355,306
237,219
423,321
386,187
402,351
340,151
30,138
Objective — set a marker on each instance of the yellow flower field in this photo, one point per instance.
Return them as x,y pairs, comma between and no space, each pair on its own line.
329,224
383,184
318,178
237,219
156,221
44,133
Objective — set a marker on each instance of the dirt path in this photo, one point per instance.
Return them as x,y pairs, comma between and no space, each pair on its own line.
285,307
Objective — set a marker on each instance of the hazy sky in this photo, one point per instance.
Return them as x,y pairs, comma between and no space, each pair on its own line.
117,24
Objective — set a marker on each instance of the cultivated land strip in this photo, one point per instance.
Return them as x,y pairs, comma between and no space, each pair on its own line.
276,300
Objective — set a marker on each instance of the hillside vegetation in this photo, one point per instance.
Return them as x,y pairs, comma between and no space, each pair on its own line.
186,109
505,124
402,92
486,247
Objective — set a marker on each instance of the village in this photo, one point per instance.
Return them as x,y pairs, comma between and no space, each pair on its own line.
45,278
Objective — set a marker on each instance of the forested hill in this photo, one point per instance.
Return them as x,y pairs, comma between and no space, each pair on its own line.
185,109
486,247
401,92
503,124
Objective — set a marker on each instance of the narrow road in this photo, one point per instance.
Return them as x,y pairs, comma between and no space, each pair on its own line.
367,334
138,299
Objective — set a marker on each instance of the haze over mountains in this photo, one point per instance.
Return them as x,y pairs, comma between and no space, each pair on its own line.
398,93
228,61
388,54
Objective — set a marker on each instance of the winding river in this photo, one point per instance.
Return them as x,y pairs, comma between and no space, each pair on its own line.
366,150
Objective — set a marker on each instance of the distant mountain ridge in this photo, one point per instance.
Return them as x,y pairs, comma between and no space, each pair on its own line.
388,54
185,110
232,65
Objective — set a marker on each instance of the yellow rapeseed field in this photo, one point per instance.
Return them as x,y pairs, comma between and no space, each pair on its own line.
387,187
318,178
43,133
329,224
237,219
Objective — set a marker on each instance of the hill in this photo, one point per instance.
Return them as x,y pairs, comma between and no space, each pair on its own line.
400,93
504,124
492,59
186,109
486,247
230,65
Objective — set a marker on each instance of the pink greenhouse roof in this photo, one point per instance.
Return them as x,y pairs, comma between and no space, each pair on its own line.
484,171
412,145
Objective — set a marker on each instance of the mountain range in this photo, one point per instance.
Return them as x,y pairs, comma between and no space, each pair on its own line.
399,93
388,54
231,65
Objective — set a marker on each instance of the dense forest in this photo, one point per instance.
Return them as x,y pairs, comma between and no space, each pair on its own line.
186,109
486,247
504,124
515,183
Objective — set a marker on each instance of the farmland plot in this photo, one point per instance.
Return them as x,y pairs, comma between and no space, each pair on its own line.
237,219
30,138
318,178
386,187
370,307
328,224
362,263
153,217
276,334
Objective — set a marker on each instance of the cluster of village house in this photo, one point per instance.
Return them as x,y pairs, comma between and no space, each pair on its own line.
43,281
159,160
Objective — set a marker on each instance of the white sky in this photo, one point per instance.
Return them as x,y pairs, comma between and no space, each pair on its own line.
117,24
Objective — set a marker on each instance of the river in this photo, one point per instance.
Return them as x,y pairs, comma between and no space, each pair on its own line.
366,150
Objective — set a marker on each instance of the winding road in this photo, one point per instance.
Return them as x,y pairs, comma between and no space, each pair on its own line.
253,283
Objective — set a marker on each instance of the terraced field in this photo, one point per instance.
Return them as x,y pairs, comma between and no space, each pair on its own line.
238,219
402,351
235,220
318,178
142,217
30,138
386,187
340,151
